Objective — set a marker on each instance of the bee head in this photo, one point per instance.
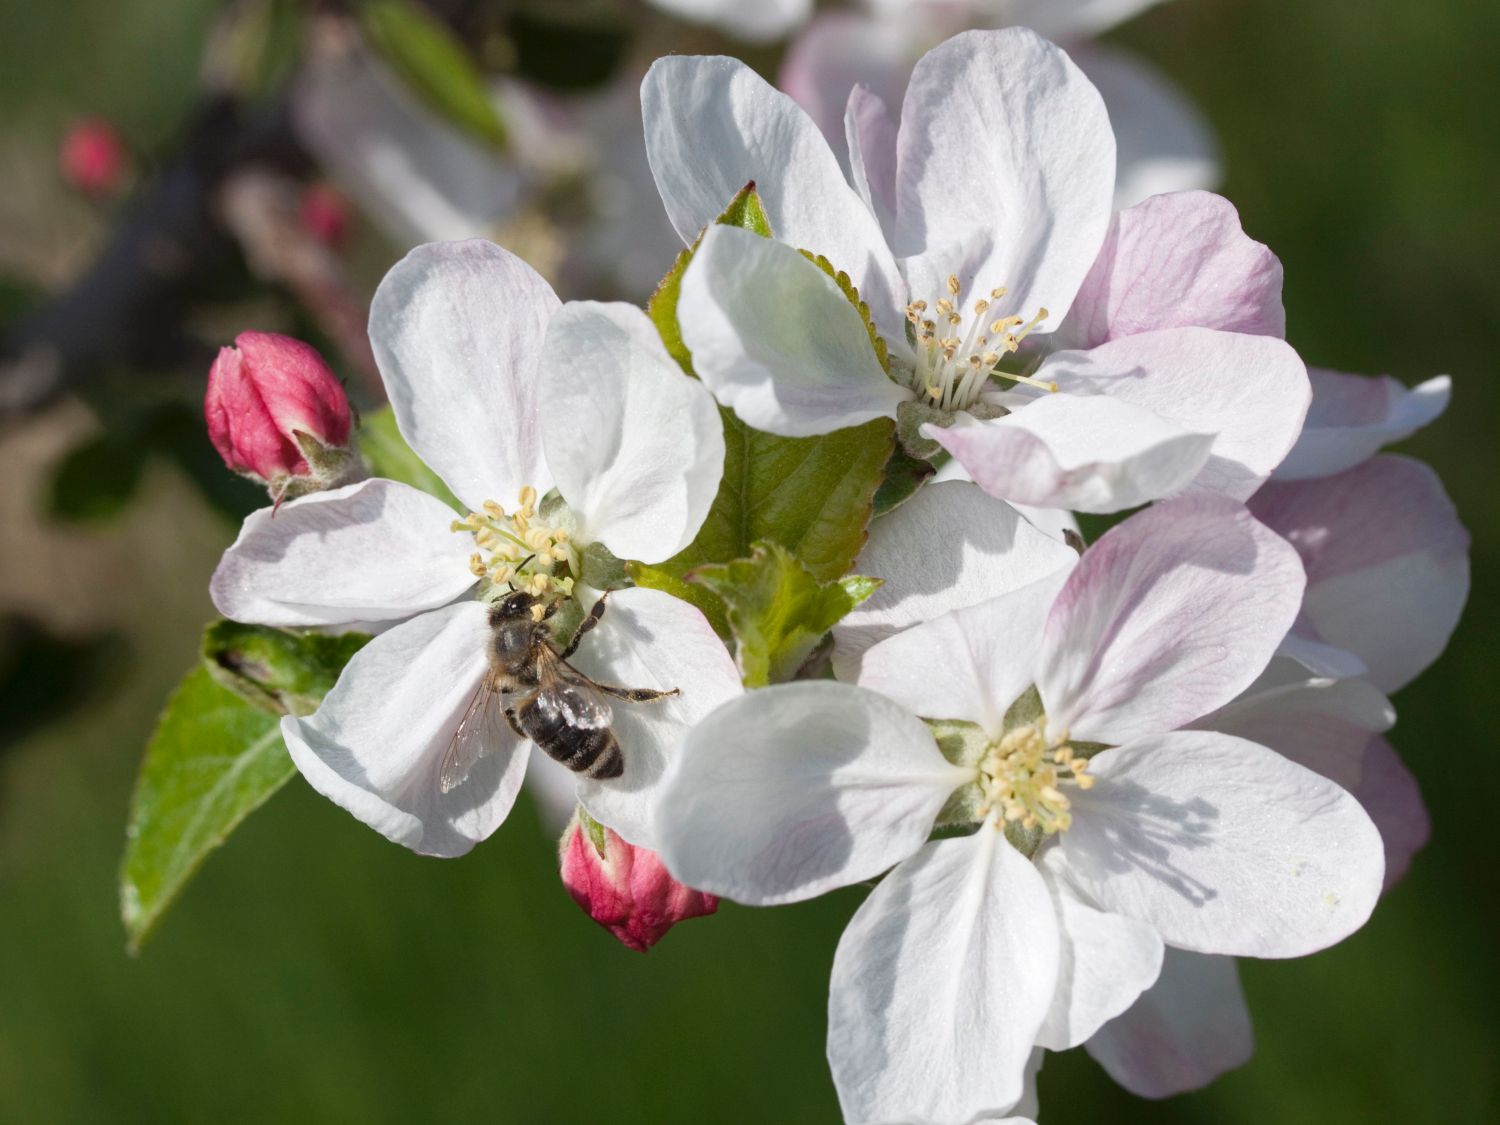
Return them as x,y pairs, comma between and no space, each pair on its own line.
514,606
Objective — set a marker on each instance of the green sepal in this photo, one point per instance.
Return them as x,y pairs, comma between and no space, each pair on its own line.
434,65
904,474
212,761
388,455
778,612
280,671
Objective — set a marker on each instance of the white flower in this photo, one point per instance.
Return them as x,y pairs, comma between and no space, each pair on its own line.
1099,830
974,225
505,394
755,21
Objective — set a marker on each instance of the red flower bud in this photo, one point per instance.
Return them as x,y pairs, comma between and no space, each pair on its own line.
276,413
325,215
624,888
93,159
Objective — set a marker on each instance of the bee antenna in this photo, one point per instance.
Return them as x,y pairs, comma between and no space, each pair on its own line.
519,566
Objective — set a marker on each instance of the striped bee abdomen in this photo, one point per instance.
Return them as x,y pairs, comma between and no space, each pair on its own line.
573,729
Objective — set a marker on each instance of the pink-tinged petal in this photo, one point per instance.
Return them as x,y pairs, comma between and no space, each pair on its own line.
1352,416
457,329
1178,261
785,793
969,664
1323,724
1005,174
377,744
947,547
372,551
636,448
1387,562
940,983
648,639
1222,846
1185,1031
1389,793
1162,141
838,51
1087,453
776,341
1249,392
1318,658
1105,962
870,132
713,125
1170,615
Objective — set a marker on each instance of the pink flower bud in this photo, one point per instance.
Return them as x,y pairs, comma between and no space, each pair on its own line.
624,888
276,413
325,215
93,159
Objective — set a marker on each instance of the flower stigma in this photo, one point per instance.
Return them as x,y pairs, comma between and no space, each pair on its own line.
952,370
517,551
1022,777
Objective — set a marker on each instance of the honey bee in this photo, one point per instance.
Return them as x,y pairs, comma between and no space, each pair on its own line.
552,703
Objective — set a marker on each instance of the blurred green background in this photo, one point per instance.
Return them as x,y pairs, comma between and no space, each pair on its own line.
315,972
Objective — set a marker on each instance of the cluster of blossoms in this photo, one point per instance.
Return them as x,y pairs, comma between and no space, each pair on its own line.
1087,777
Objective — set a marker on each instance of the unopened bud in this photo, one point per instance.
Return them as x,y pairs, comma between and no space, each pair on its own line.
325,215
624,888
278,415
93,159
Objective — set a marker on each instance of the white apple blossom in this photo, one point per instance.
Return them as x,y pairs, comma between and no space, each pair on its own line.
506,395
1353,416
1098,830
753,21
1163,142
974,225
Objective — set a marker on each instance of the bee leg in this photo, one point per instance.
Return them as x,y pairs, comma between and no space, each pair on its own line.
515,722
634,695
588,623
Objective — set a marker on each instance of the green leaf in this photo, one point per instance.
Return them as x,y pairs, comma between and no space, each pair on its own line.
212,761
744,211
389,456
777,610
904,474
277,670
431,60
813,496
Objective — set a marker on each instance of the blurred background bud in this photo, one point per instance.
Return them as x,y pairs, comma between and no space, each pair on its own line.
326,215
624,888
93,158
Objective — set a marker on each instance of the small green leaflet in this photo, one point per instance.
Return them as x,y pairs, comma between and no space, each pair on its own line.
777,611
812,496
277,670
212,761
434,65
389,456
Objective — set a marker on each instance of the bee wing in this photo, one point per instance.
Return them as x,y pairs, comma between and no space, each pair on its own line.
473,738
568,692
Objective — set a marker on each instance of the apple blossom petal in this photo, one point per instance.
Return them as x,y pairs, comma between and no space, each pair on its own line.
758,22
648,639
377,744
870,132
1177,261
1318,658
794,790
1185,1031
553,790
1321,723
1222,846
1062,19
1162,141
1352,416
940,983
838,51
949,546
1249,392
1383,534
969,664
1088,453
457,329
1168,616
1389,793
636,447
372,551
1006,172
713,125
1105,961
776,341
